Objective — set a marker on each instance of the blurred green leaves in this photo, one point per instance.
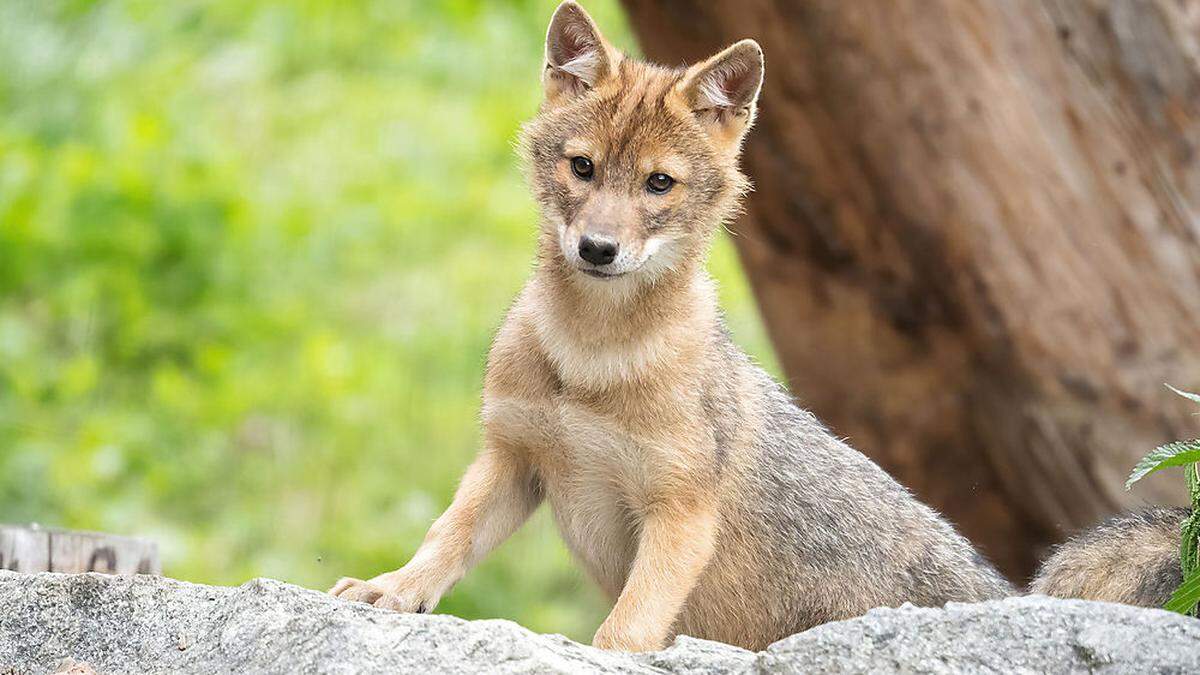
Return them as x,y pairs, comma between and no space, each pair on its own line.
251,258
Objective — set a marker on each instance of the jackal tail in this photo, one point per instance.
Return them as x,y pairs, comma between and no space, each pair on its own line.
1132,558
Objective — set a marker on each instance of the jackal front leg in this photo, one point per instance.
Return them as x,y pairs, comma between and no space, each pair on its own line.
676,544
496,495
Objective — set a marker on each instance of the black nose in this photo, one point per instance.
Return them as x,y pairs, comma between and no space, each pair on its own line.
597,250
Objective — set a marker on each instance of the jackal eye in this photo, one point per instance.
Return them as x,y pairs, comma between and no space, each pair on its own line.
583,167
659,183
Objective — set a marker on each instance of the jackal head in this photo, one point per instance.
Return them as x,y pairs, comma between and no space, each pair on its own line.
635,165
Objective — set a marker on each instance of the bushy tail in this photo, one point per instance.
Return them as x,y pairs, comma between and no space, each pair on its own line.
1132,558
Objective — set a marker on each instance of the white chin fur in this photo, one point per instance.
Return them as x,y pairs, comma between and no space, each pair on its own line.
654,259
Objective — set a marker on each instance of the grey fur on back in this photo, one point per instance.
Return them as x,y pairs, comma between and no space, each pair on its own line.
875,542
831,534
1132,558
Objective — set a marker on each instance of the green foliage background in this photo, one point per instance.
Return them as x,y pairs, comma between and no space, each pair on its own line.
251,258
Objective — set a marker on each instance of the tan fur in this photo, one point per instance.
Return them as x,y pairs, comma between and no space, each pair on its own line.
1132,558
620,401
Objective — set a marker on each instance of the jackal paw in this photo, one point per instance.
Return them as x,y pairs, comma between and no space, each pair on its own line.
611,639
384,593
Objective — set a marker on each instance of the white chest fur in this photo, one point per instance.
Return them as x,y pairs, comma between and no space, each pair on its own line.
593,473
601,364
592,358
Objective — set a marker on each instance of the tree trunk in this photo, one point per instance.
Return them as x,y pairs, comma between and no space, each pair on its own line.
974,238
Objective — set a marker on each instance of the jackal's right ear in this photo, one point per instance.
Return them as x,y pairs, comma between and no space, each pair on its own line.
577,56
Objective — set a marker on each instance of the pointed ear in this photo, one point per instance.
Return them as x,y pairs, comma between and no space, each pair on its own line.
723,90
577,56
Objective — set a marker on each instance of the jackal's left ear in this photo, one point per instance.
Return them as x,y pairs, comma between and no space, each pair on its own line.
723,90
577,56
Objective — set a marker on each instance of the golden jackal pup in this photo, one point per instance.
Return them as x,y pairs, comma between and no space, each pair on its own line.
686,482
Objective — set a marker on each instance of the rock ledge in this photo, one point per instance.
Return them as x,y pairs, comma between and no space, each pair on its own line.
147,624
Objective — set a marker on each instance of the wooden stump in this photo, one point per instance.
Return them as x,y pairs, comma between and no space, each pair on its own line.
31,549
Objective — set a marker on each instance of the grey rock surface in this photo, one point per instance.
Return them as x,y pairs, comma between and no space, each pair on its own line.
151,624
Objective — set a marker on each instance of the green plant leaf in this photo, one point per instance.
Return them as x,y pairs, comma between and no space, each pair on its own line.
1192,476
1187,596
1171,454
1186,394
1189,532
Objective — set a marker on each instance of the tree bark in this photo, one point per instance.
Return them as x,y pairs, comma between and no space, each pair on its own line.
974,238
